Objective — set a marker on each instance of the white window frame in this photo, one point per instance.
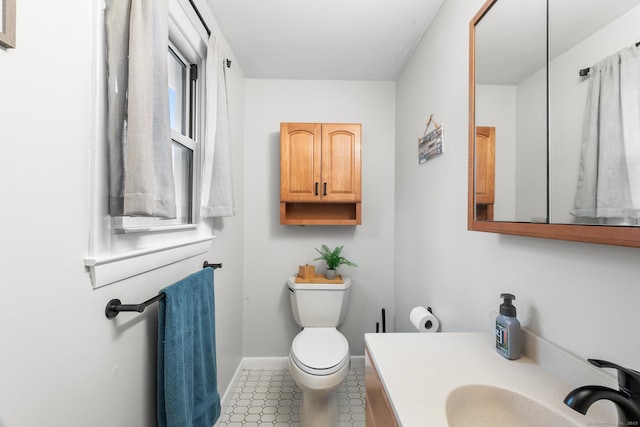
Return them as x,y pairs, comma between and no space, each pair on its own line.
115,252
188,56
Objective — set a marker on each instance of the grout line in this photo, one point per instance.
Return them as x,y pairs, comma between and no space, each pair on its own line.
270,397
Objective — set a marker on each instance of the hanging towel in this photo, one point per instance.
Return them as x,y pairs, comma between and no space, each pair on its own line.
217,189
609,176
187,375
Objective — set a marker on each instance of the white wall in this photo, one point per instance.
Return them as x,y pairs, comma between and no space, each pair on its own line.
62,362
580,296
531,150
519,115
496,106
273,251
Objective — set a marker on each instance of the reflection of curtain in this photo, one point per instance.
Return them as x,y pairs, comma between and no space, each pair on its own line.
609,177
217,191
140,164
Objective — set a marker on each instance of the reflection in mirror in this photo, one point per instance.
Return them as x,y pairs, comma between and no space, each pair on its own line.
588,110
581,34
511,100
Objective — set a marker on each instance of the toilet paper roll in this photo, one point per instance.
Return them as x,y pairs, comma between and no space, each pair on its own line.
423,320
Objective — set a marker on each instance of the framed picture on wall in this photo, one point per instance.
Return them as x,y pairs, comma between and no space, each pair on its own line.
8,23
431,144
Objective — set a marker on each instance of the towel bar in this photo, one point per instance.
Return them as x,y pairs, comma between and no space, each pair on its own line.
115,306
214,266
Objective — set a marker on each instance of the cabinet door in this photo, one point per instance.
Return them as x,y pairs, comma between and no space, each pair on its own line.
377,406
341,163
485,160
300,151
485,172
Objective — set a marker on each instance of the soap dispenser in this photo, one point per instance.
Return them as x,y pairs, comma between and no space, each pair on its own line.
508,332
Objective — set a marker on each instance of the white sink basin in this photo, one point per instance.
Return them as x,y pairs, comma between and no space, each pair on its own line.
481,405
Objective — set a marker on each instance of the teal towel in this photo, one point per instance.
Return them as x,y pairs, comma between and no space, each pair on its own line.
187,375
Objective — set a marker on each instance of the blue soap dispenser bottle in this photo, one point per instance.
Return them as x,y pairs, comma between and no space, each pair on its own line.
508,331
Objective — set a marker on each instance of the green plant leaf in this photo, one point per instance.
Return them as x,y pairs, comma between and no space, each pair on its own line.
333,258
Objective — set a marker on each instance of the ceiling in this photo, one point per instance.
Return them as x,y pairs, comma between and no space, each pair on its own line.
323,39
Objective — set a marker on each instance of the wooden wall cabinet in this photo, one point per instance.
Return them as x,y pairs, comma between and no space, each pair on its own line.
377,406
320,174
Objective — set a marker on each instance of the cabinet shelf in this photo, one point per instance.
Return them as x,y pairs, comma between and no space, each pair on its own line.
320,213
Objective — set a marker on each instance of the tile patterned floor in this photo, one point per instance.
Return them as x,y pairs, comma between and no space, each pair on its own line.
270,397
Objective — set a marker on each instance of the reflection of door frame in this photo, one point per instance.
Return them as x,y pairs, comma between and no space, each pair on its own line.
485,172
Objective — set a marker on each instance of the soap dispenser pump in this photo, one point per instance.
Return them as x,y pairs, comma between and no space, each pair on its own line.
508,332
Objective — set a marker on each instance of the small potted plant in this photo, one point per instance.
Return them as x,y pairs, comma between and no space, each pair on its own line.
334,259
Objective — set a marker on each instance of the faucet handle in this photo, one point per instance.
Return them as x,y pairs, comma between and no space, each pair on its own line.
628,379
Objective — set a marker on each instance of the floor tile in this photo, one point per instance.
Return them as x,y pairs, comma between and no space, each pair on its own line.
270,398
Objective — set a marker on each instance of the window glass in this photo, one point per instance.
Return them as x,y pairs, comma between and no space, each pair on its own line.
177,74
183,172
182,113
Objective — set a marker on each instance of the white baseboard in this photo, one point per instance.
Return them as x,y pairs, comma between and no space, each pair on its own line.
357,362
228,393
266,362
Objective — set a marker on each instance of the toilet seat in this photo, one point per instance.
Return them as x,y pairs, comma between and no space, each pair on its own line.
320,351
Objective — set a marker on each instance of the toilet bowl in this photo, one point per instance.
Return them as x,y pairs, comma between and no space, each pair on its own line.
319,363
319,356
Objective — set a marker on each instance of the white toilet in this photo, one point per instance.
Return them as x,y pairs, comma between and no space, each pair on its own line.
319,356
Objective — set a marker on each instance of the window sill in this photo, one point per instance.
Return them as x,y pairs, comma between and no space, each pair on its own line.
120,229
109,269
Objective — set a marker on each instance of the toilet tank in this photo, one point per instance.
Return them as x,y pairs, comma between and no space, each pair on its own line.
319,304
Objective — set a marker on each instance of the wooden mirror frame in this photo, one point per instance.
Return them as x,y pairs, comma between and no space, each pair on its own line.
8,27
602,234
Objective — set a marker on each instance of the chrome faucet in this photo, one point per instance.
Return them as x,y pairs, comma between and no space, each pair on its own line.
627,399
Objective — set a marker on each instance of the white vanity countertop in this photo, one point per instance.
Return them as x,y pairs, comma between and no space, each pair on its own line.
419,371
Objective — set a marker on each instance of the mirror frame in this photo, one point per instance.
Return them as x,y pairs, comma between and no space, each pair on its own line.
601,234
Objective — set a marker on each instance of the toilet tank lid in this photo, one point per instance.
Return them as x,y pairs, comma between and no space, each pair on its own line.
317,286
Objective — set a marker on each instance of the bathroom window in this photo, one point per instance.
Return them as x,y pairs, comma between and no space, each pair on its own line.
183,88
125,246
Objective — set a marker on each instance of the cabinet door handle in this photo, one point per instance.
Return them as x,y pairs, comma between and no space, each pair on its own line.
316,188
324,189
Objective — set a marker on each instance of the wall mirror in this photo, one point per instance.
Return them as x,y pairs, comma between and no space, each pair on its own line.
548,155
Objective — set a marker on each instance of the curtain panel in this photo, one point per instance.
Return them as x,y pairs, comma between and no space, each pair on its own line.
609,176
217,186
141,179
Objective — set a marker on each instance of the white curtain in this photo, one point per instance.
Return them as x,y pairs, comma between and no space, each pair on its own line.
609,177
141,174
217,189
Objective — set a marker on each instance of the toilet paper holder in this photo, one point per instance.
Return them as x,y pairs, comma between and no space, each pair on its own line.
424,320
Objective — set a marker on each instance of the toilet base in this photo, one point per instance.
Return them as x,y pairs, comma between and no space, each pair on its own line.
318,406
318,410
